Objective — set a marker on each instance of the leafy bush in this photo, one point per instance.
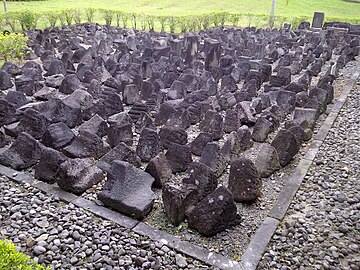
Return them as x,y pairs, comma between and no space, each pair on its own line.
77,16
90,13
11,259
28,19
107,15
52,18
12,46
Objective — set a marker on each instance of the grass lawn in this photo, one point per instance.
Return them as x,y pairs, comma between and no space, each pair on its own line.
333,8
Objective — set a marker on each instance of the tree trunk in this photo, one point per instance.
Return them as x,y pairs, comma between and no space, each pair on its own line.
272,13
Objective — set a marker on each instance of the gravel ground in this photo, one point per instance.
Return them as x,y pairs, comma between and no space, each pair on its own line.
322,227
67,237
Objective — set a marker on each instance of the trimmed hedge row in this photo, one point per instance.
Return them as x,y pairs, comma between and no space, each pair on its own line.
29,20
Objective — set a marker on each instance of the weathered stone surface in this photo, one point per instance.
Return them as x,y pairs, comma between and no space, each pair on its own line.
232,120
213,158
267,161
26,85
79,99
213,124
33,123
85,145
305,114
131,94
179,157
7,113
120,129
57,136
202,176
198,144
24,152
180,118
214,213
169,134
164,113
246,113
96,125
47,168
232,147
77,175
262,129
54,81
177,200
55,110
119,152
244,181
245,138
286,146
160,169
5,80
69,84
128,190
17,99
149,145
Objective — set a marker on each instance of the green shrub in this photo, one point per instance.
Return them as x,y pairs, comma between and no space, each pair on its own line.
90,14
107,15
11,259
12,46
77,16
52,17
28,19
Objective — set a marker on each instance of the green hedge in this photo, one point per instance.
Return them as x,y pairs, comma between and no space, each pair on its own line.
30,19
11,259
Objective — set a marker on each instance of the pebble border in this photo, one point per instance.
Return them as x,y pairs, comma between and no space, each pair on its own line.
259,241
257,246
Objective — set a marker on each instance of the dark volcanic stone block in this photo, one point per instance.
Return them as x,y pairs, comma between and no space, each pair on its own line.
214,213
160,169
17,99
131,94
120,129
5,81
33,123
26,85
7,113
244,180
262,129
170,135
128,190
58,136
78,175
164,113
179,157
202,176
69,84
213,158
286,145
79,99
86,144
23,153
119,152
198,144
177,200
47,168
96,125
267,161
213,124
149,145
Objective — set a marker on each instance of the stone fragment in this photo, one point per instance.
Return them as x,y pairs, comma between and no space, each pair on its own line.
178,200
23,153
213,124
214,213
96,125
33,123
57,136
244,181
17,99
213,158
120,129
77,175
202,177
128,190
5,81
198,144
7,113
169,134
131,94
79,99
149,145
47,168
179,157
69,84
85,145
119,152
286,146
267,161
160,169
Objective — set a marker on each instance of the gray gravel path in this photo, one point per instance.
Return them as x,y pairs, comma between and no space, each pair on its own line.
322,227
67,237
